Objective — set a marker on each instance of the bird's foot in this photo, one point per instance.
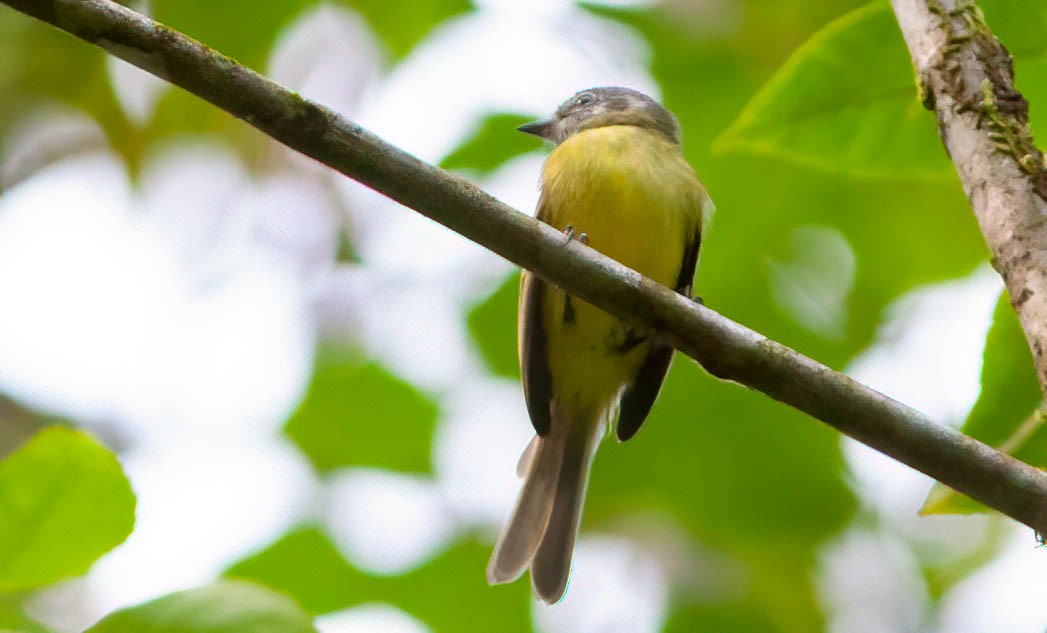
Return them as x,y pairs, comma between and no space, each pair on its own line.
572,234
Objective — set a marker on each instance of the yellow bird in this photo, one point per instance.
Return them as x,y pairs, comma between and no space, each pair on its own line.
618,181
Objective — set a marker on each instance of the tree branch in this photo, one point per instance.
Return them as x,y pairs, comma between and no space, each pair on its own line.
726,349
967,80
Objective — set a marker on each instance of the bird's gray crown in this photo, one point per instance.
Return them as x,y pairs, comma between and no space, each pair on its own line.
604,106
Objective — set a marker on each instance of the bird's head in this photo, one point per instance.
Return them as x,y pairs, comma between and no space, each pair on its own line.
601,107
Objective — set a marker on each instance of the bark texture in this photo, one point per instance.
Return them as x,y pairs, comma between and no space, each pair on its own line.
967,79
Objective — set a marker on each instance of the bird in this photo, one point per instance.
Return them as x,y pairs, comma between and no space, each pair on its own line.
616,180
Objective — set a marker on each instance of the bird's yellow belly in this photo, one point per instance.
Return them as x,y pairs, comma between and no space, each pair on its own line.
631,210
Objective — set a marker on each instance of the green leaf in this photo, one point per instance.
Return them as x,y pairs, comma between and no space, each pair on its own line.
64,502
227,606
778,598
450,594
305,564
698,431
358,414
403,23
14,618
1003,416
491,144
844,101
242,29
221,26
492,324
1019,24
60,70
716,617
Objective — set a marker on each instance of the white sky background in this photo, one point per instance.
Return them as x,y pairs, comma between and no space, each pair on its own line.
186,324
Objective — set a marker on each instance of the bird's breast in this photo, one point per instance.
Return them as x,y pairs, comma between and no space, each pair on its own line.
630,191
638,201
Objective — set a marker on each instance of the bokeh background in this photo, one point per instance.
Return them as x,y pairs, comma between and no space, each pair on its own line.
313,387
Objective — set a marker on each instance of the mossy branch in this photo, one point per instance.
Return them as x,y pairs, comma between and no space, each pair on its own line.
726,349
967,79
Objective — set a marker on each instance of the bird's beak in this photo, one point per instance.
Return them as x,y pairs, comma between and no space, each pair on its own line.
543,129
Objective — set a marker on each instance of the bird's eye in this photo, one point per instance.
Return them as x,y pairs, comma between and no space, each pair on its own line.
584,99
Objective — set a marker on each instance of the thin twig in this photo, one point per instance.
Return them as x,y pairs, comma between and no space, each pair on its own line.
726,349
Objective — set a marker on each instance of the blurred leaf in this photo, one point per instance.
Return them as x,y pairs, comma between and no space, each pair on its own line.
690,449
449,594
743,474
718,617
492,324
13,618
831,102
227,606
495,141
345,252
358,414
42,65
64,502
242,29
1009,388
403,23
305,564
1004,414
1019,24
18,424
1031,79
943,574
778,598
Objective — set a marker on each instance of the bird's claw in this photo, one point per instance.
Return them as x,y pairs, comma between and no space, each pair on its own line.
572,234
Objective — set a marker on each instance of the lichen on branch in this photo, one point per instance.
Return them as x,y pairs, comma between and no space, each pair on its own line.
966,77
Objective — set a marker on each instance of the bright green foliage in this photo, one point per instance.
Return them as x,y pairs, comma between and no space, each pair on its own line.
352,411
844,101
12,618
495,141
1003,416
1019,24
222,26
64,502
227,606
450,594
305,564
490,324
738,617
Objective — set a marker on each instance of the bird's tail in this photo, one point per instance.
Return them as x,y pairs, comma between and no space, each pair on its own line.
542,529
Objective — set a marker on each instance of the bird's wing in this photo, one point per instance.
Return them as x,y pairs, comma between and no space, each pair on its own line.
532,342
640,395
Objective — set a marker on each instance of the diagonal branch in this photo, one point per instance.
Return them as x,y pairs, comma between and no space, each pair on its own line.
726,349
966,78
